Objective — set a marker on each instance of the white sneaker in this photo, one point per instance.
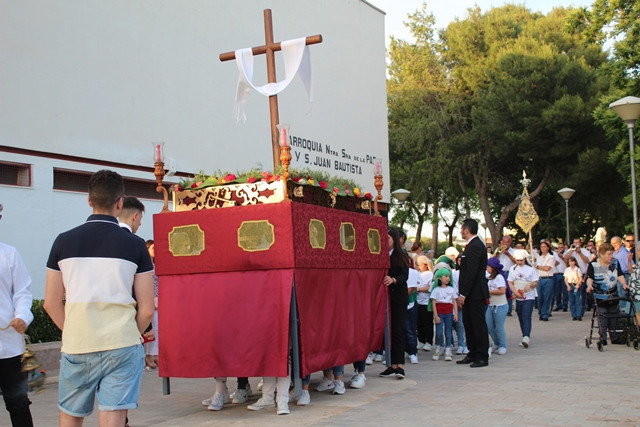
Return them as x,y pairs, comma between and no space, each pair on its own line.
283,408
489,352
502,350
357,381
369,360
448,357
217,402
465,350
420,345
436,355
261,404
494,348
426,347
240,395
325,384
338,387
413,358
225,398
304,398
378,358
459,350
260,384
525,342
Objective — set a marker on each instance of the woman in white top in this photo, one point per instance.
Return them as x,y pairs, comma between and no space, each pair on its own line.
523,280
545,265
497,311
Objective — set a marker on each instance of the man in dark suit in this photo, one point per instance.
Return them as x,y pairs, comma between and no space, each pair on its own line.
474,294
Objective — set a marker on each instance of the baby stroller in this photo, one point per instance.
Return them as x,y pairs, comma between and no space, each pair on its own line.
618,324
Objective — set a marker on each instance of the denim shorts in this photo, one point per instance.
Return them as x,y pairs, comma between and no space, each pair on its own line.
113,376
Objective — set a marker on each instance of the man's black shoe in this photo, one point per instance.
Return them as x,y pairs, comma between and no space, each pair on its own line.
479,363
464,361
557,309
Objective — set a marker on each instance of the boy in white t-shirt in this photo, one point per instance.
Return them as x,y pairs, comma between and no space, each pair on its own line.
445,311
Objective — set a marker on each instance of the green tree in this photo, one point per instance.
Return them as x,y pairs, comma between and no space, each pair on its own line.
423,112
533,86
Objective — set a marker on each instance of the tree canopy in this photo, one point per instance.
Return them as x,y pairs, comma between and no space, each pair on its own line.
473,105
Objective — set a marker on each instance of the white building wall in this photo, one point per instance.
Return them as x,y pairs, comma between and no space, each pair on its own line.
103,79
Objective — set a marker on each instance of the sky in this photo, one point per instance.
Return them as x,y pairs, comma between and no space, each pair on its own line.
446,11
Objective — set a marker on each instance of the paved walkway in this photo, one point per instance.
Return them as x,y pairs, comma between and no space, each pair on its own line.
556,381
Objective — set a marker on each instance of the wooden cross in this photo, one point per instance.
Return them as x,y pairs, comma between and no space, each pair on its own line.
268,49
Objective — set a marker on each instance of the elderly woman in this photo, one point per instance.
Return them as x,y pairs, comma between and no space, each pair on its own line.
603,275
634,286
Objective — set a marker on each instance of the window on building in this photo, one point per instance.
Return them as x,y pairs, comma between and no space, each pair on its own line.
15,174
71,180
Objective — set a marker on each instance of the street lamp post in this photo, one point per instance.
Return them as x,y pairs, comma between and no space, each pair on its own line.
628,108
566,194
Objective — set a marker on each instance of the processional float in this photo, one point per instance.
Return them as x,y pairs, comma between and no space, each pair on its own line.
251,273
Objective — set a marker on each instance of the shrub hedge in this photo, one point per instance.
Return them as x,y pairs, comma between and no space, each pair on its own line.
42,329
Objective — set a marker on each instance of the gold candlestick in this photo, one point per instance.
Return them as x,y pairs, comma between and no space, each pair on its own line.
159,173
285,160
378,184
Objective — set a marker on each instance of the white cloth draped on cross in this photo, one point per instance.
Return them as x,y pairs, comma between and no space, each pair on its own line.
297,60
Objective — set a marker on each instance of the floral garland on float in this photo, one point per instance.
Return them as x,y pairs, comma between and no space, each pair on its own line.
224,189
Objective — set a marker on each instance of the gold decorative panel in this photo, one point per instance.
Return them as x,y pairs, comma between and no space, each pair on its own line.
373,238
317,234
347,236
186,240
255,236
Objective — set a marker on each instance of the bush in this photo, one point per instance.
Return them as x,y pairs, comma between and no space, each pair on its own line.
42,329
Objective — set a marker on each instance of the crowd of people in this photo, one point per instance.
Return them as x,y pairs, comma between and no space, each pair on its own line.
455,303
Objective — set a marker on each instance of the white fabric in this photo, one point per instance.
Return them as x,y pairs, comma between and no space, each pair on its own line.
495,284
523,273
583,265
561,266
426,279
15,300
297,60
413,282
444,295
573,274
546,261
505,260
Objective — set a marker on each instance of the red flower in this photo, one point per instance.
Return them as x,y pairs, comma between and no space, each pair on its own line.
265,174
346,191
251,180
177,187
323,185
196,184
367,196
230,177
296,179
336,190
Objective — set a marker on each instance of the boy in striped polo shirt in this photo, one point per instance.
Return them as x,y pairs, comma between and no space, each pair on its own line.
95,268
